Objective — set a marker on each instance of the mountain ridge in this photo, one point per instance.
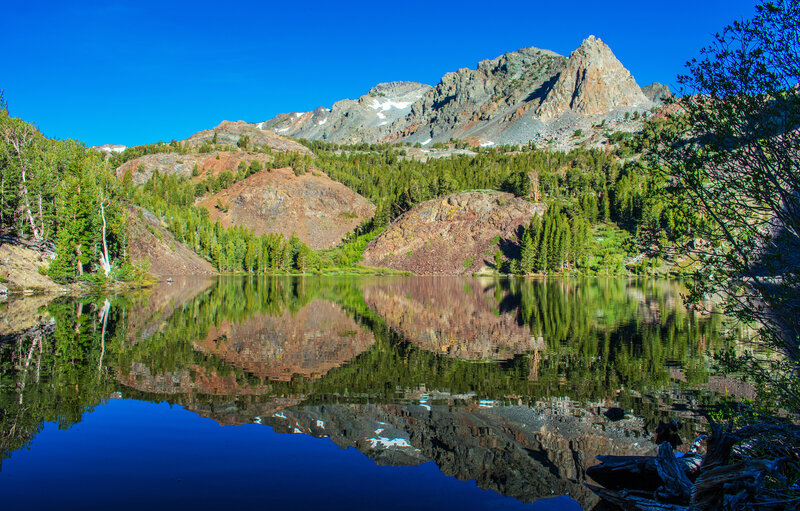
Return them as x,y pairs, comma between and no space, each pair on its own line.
530,94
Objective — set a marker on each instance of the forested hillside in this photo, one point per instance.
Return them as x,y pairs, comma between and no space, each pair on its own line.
63,197
605,208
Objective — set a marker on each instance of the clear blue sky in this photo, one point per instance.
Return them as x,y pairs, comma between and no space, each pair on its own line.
134,72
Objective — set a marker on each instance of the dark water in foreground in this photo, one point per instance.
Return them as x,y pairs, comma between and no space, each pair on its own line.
344,393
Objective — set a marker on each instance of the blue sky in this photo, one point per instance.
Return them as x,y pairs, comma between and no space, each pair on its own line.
134,72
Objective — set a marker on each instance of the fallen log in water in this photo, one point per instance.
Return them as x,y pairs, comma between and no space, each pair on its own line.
631,500
637,472
709,483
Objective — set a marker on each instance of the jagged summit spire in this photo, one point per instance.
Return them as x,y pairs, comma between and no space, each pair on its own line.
593,82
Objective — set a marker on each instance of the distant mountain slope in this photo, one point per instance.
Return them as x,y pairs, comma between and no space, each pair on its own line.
312,205
231,133
526,95
369,117
183,165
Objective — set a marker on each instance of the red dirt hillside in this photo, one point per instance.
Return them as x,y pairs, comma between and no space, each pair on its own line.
452,235
436,314
318,209
148,239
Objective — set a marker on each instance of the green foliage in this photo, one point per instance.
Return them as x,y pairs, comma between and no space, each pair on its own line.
59,192
556,242
233,249
730,155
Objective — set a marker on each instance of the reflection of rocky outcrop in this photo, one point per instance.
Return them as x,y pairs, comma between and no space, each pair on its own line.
23,315
243,354
310,342
151,310
520,452
456,317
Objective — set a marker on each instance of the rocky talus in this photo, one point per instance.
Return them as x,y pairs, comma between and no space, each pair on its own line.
453,235
318,209
150,244
365,119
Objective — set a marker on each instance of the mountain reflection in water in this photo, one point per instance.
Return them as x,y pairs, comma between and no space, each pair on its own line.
500,381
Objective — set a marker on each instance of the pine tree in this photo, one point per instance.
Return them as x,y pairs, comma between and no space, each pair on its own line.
528,253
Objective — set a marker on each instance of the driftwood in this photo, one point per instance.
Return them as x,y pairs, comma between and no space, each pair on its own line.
631,500
709,483
726,486
637,472
677,487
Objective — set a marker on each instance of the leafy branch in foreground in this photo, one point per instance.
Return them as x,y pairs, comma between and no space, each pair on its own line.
733,157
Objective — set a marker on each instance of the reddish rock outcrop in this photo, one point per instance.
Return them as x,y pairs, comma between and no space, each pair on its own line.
453,235
318,209
149,241
593,82
183,165
231,132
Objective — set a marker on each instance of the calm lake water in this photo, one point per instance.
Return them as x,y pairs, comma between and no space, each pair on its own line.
344,393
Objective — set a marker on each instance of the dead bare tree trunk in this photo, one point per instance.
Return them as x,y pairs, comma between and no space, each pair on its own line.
78,254
18,141
105,262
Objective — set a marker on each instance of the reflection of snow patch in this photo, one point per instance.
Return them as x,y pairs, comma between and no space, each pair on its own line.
427,141
425,405
296,430
260,126
320,424
388,443
486,403
257,420
281,415
379,431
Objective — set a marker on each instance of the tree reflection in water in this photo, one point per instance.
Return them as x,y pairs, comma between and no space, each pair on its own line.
517,371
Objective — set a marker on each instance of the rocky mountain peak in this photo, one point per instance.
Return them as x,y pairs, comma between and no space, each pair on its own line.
657,92
399,88
527,95
593,82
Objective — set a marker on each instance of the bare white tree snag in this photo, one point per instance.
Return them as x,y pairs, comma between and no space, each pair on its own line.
105,263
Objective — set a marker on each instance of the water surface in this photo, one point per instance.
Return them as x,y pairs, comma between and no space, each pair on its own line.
398,393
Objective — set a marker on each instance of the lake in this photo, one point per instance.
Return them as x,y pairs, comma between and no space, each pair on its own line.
345,392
